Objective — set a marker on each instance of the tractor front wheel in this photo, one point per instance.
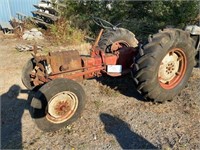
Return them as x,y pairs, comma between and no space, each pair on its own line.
57,104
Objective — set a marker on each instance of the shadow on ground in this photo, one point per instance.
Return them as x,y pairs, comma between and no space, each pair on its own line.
126,138
12,110
124,84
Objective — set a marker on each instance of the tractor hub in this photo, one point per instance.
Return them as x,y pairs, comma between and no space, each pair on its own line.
62,107
172,68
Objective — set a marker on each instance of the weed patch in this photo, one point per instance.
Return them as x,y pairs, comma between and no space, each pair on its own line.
63,33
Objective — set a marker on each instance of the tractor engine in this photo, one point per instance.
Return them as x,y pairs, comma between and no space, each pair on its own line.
69,64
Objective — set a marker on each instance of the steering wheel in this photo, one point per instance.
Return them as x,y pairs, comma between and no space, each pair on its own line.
104,24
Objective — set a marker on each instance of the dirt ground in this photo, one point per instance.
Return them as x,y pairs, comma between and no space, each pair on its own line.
115,116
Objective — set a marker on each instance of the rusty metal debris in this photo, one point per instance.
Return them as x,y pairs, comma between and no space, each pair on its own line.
23,48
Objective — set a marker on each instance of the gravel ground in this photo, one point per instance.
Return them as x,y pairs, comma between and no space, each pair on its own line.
115,116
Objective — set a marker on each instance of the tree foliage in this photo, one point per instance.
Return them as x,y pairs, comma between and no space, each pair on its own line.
141,17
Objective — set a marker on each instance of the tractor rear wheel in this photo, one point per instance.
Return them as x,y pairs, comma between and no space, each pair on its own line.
164,65
57,104
112,40
26,72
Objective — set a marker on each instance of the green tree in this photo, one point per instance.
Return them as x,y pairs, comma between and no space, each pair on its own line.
141,17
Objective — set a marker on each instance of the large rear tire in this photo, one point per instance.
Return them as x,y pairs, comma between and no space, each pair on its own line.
58,103
113,39
164,65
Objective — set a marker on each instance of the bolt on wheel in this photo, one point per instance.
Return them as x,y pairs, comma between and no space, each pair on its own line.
118,44
57,104
62,106
172,68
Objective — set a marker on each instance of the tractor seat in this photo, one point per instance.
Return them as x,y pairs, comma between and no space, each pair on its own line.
193,29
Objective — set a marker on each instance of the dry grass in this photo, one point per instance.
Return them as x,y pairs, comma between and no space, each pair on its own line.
63,33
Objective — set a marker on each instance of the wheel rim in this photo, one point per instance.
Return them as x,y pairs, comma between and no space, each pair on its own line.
118,44
62,107
172,68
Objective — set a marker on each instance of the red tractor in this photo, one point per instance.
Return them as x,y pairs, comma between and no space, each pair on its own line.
160,70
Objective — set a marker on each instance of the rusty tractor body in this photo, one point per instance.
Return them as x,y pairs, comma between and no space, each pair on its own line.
160,70
70,65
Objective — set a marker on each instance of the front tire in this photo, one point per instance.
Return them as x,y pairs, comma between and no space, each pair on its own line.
164,65
57,104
